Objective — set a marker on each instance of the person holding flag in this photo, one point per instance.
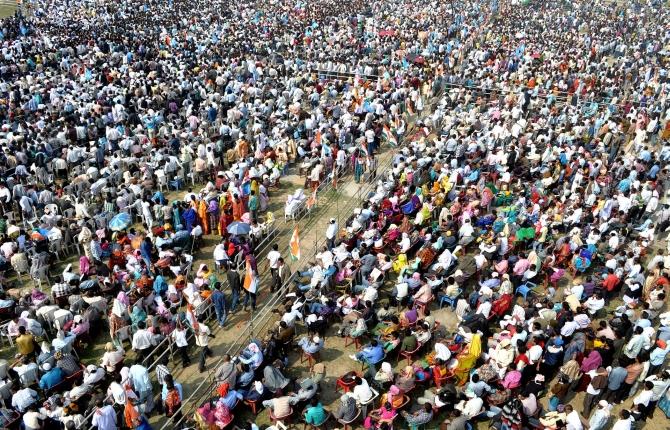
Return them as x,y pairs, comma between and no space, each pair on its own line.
295,245
250,285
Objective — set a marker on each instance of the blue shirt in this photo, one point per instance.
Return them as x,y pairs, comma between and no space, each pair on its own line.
52,378
219,300
616,378
373,354
657,356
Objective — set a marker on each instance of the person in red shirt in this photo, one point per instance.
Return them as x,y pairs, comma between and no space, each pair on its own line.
610,283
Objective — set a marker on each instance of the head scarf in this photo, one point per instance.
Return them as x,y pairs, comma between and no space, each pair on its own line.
393,391
592,362
223,389
123,298
138,315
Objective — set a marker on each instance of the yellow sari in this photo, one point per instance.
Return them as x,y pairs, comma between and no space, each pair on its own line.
467,359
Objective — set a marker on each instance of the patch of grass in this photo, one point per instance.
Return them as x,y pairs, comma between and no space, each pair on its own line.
6,10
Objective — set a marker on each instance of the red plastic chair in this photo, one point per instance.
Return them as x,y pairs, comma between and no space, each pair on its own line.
409,354
348,340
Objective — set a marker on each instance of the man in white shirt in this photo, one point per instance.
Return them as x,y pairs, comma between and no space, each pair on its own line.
180,339
32,418
644,398
569,327
572,420
143,341
331,233
202,340
220,255
24,398
484,308
472,407
273,260
625,421
362,392
594,303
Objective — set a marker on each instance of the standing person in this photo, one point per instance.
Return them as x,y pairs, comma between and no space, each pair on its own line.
203,334
139,377
331,233
644,398
219,301
235,284
104,417
660,388
601,416
172,397
253,205
283,275
142,341
273,261
250,284
594,389
179,337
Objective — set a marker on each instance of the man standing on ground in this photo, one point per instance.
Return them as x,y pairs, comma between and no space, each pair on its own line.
219,302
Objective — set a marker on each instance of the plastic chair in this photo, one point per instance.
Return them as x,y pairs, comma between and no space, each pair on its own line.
364,405
253,404
29,378
347,423
409,354
319,425
525,289
348,341
449,300
341,384
310,358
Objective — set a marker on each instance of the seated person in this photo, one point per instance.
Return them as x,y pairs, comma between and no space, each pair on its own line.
51,377
372,353
311,345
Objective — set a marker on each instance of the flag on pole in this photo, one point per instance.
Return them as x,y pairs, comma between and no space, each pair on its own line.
388,135
295,245
250,280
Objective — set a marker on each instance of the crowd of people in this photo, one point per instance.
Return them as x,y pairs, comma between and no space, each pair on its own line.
532,201
103,125
527,195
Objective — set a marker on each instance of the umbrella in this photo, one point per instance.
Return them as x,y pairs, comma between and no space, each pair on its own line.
239,228
121,221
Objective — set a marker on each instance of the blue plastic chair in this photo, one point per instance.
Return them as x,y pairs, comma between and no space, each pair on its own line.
451,301
525,289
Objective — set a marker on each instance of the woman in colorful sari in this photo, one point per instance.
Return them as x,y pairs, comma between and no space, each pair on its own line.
406,380
467,359
238,208
137,316
190,218
359,166
580,263
202,215
176,215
